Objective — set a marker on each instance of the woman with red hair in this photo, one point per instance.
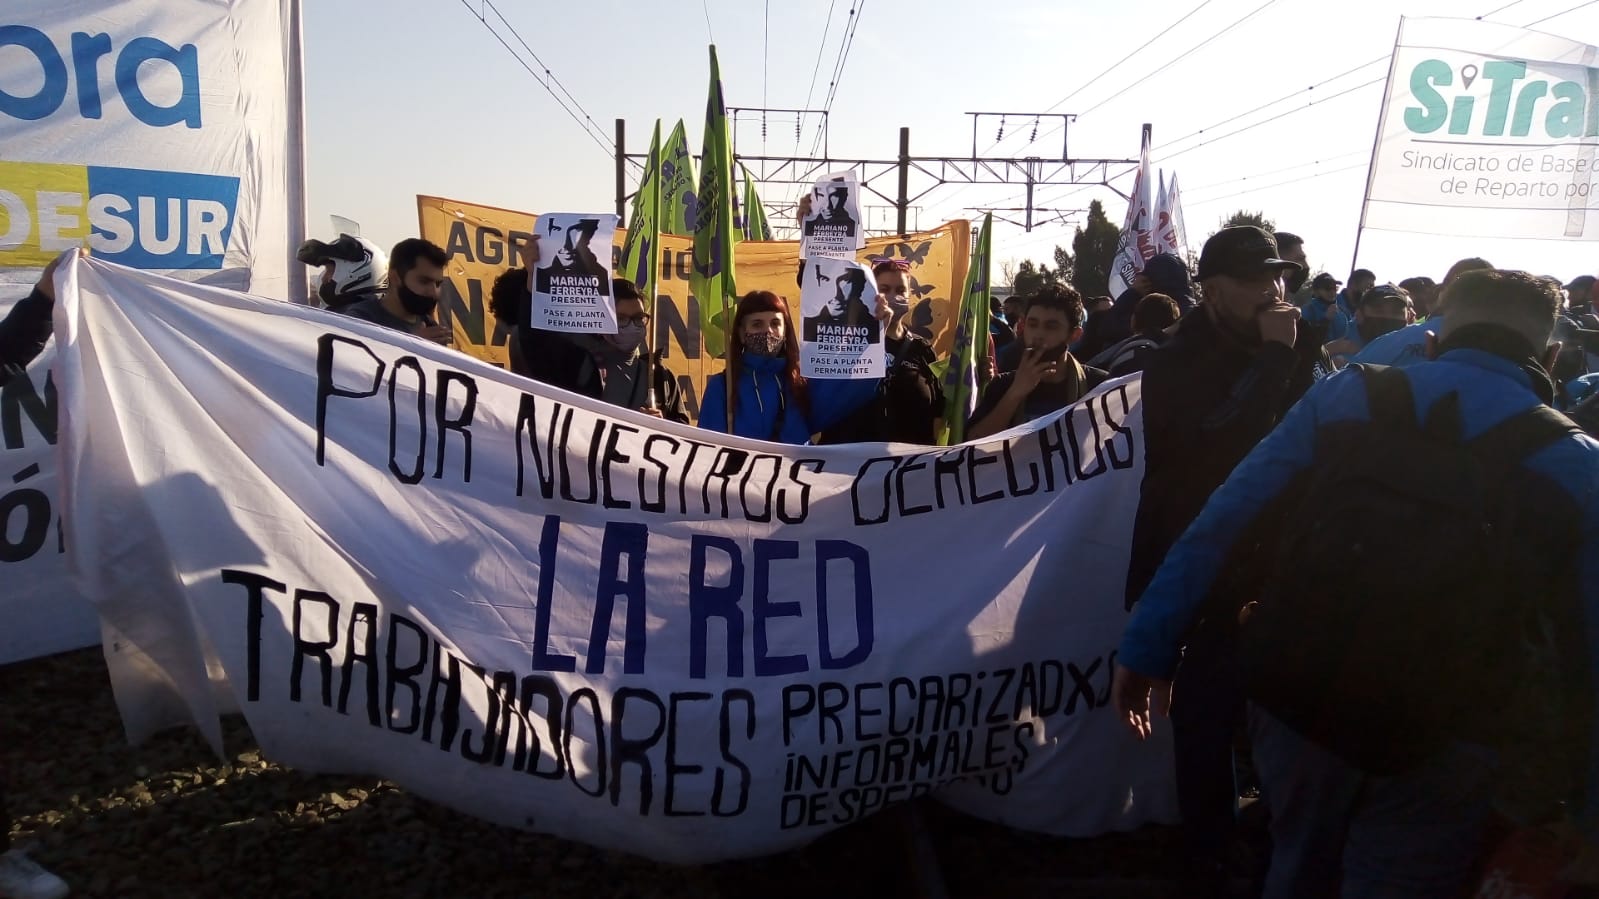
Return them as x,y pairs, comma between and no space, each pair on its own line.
772,401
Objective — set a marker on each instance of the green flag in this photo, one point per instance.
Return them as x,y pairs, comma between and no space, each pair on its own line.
971,340
712,279
755,226
641,253
677,184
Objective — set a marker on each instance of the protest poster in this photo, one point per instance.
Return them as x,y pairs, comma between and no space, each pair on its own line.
163,135
1486,130
572,280
483,241
840,336
834,227
563,616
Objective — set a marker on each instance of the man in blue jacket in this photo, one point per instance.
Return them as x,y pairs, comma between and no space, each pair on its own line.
1408,345
1416,833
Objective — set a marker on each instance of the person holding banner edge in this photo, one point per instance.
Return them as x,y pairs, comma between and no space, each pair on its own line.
23,335
773,401
911,400
619,368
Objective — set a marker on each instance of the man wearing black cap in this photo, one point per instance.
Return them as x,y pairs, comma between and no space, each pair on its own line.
1342,320
1231,371
1319,309
1381,310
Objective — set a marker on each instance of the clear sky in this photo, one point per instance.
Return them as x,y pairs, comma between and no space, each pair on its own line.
418,96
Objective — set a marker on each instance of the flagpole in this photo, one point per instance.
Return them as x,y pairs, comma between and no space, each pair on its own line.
1376,141
654,265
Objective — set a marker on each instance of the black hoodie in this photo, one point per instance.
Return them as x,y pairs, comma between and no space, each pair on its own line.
1168,275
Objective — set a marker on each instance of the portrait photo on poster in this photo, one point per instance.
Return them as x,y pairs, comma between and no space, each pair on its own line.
572,280
840,336
834,227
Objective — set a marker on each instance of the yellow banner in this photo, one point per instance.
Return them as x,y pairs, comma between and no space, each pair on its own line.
482,242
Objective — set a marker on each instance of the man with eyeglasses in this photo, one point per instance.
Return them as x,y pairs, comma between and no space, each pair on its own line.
614,368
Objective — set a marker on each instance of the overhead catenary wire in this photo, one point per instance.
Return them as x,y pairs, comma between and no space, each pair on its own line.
1501,9
1171,62
856,11
547,80
1190,51
1297,109
1277,117
1246,17
821,48
1114,66
1284,183
1214,184
1561,13
1288,96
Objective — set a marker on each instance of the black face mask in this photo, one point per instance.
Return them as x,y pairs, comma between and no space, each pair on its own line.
329,298
416,303
1373,328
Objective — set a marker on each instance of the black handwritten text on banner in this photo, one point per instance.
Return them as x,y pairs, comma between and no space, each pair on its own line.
563,616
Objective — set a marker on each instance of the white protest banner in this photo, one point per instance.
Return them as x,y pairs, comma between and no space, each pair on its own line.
834,227
161,134
43,612
1137,243
572,280
840,336
1173,220
1494,124
573,618
1165,229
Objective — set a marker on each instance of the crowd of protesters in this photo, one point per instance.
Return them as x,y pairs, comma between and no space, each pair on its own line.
1360,509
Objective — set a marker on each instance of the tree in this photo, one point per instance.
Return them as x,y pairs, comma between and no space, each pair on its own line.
1064,264
1031,277
1245,217
1093,251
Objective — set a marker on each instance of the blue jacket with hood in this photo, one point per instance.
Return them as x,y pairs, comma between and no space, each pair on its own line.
1491,389
766,409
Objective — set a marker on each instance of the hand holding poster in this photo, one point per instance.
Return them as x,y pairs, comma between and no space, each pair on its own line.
834,226
840,335
572,281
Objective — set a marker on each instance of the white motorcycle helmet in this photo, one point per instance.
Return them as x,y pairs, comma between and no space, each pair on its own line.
360,269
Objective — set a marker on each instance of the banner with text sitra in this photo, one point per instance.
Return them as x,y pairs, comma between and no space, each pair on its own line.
1497,125
563,616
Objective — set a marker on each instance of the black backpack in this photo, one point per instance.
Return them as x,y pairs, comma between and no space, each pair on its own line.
1388,613
898,411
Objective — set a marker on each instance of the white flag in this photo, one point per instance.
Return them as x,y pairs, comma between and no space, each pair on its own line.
1165,240
1174,210
1137,244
